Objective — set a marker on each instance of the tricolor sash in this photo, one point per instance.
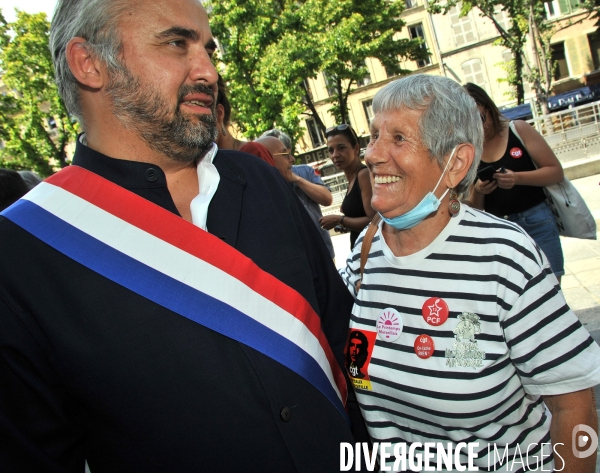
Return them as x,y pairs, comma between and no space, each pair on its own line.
168,260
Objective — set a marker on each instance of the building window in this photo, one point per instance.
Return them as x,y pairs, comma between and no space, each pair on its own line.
594,40
556,8
366,80
552,9
473,72
501,17
388,71
314,132
559,59
416,31
461,27
368,108
330,84
411,3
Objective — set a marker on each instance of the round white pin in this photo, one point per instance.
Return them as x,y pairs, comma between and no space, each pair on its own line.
389,325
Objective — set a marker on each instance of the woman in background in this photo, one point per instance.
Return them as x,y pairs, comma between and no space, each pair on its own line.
526,164
344,151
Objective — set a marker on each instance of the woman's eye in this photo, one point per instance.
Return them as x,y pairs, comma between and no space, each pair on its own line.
399,138
374,136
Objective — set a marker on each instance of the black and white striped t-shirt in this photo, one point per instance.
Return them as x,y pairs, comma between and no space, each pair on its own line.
509,337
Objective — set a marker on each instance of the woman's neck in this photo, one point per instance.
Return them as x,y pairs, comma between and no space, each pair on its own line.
227,141
352,170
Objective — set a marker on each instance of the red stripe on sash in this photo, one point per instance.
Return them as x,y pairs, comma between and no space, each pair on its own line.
186,236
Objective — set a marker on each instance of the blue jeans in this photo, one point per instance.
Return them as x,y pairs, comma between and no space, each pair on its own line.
540,225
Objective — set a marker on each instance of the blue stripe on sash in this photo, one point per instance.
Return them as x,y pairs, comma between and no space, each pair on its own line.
168,292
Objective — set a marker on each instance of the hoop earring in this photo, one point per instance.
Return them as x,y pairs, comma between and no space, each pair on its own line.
453,203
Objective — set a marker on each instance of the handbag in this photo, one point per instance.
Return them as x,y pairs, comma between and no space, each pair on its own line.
572,215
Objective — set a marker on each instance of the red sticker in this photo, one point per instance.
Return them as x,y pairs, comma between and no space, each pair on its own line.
358,353
516,153
424,346
435,311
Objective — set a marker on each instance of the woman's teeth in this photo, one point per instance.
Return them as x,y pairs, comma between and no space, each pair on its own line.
386,179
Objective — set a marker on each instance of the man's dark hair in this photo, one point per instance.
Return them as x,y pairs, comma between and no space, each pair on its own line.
482,98
223,100
12,187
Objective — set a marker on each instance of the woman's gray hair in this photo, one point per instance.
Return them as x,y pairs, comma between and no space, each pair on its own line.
283,137
450,116
97,22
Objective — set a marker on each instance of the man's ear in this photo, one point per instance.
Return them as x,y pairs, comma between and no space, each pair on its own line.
84,66
220,112
460,165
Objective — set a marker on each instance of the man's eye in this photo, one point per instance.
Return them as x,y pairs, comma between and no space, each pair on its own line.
178,43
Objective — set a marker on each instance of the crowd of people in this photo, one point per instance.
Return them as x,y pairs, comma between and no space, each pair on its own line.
170,303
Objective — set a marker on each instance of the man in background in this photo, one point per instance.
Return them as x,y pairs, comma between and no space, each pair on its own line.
307,184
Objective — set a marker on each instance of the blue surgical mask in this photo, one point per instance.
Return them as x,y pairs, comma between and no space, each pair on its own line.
423,209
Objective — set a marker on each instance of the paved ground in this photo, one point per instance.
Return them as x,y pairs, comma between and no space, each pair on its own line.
581,282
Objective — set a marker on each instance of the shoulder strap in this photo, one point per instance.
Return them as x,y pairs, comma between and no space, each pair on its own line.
366,246
513,128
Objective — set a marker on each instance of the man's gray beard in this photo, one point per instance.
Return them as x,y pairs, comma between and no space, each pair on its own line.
142,109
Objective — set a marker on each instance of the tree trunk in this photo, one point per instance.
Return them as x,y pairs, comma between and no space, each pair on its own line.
343,100
519,75
313,111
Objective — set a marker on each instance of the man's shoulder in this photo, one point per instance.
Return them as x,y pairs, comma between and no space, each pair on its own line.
243,165
307,172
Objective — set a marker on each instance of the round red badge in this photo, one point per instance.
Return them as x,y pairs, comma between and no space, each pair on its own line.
424,346
435,311
516,153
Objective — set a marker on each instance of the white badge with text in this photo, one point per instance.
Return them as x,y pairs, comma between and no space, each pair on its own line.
389,325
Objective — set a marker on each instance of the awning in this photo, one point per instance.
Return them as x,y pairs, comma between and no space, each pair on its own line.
520,112
556,103
573,98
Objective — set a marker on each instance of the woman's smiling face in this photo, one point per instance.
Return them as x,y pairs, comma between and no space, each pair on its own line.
402,171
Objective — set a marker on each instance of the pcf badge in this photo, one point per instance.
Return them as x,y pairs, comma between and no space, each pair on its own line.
424,346
435,311
389,325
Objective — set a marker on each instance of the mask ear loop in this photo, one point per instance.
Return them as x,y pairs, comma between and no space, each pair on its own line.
444,172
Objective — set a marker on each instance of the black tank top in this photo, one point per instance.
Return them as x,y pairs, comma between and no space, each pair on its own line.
352,205
503,202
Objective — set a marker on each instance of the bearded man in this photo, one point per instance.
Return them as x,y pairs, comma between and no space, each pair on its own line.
164,306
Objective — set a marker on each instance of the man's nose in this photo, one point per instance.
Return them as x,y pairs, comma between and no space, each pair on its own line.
203,69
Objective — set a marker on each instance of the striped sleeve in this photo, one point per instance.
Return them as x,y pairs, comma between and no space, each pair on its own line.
351,273
549,347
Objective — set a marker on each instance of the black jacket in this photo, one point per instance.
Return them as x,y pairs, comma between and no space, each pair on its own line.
90,370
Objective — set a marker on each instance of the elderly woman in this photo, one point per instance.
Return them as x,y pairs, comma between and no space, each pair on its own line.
469,337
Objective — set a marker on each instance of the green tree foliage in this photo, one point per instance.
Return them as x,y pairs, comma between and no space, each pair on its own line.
271,47
528,21
30,106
